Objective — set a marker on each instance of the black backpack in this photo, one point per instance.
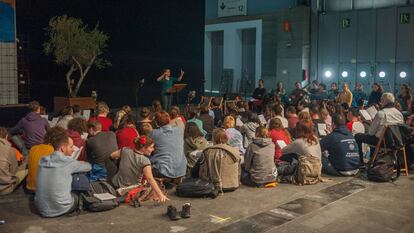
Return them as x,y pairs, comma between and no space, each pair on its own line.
91,203
382,170
192,187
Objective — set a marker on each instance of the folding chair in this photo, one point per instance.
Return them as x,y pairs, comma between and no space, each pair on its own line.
381,145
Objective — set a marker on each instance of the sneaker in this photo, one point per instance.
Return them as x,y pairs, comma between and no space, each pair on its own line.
172,213
185,212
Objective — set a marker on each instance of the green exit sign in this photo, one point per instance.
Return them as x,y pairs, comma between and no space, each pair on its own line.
404,18
346,22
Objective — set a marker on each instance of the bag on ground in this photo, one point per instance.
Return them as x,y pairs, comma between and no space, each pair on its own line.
192,187
102,197
308,171
382,170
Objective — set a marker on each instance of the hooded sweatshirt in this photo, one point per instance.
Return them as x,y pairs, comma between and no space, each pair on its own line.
34,128
342,149
220,164
248,131
54,183
259,161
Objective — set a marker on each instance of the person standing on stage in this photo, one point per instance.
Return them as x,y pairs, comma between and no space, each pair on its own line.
167,82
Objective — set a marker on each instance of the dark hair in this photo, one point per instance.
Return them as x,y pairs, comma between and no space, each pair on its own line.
220,136
314,110
278,109
67,110
78,124
253,117
95,125
3,132
174,112
57,137
380,89
145,112
338,119
204,109
156,104
143,141
192,131
292,109
76,108
34,106
128,119
304,129
322,85
162,118
192,112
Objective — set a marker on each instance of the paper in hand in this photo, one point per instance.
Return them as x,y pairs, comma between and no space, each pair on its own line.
281,143
262,119
86,114
321,129
365,115
239,122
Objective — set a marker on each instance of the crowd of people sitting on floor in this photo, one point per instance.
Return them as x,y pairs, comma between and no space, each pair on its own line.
258,142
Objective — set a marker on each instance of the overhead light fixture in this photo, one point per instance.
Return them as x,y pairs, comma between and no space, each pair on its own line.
363,74
328,73
403,74
381,74
344,74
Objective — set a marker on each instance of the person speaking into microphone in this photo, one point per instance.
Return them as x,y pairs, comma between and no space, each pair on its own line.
167,82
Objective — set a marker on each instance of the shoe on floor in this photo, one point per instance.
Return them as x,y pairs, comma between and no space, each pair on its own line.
172,213
186,211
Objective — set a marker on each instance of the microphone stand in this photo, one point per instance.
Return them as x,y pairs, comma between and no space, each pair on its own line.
137,89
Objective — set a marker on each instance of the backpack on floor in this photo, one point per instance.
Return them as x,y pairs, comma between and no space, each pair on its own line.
382,170
308,171
192,187
102,197
142,193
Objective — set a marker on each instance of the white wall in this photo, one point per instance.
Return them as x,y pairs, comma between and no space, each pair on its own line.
232,49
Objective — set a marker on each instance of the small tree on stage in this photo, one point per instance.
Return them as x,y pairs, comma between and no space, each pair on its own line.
72,43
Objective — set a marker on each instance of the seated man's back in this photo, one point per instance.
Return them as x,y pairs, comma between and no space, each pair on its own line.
54,179
99,149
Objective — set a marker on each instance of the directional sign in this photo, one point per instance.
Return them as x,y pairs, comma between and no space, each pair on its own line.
346,22
232,7
404,18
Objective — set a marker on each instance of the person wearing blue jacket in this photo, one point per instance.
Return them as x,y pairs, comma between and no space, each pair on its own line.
342,158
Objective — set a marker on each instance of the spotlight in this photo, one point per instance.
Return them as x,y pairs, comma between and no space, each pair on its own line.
403,74
381,74
344,74
363,74
328,73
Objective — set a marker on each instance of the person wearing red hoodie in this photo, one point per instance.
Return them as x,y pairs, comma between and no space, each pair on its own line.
127,132
279,136
77,127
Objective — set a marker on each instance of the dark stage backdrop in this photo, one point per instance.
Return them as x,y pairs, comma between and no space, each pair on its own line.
145,37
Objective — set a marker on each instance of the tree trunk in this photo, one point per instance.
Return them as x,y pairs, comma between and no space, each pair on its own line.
68,80
83,73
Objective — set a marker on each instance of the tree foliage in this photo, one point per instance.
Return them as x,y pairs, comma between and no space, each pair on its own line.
72,43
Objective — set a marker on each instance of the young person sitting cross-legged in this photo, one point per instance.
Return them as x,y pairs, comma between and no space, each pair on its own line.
11,175
100,146
220,163
54,179
134,164
33,128
342,158
259,163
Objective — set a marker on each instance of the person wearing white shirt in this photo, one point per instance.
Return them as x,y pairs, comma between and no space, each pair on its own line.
388,115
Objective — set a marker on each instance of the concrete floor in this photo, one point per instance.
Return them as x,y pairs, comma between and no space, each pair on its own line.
342,205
